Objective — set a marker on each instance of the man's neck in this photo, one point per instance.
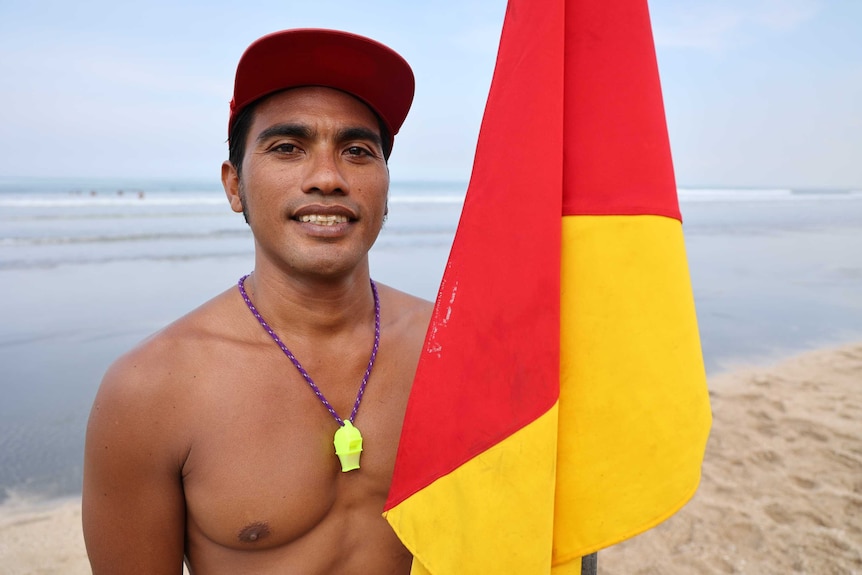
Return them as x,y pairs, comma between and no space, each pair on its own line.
311,305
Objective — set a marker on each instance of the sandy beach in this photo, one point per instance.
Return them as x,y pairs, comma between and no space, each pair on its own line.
781,490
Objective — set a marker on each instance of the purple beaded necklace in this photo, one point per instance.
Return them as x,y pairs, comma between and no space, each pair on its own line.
348,440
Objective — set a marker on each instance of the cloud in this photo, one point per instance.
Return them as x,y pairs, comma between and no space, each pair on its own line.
84,69
784,15
718,26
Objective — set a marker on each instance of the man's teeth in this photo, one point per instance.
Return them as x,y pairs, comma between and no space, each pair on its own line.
323,220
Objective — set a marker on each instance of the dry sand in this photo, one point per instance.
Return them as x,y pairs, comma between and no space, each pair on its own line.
42,539
781,491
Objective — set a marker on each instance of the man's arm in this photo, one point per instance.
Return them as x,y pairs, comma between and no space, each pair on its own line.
133,504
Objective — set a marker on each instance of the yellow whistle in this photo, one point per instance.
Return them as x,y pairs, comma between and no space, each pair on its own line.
348,446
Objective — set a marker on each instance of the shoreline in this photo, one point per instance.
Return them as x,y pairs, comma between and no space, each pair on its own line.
781,490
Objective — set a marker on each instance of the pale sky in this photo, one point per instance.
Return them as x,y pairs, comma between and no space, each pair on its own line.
757,92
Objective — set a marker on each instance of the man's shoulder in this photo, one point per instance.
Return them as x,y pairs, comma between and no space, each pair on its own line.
406,310
156,363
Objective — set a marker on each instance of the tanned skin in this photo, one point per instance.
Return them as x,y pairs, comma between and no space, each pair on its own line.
205,442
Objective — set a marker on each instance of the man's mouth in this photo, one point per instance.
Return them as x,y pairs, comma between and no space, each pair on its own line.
323,220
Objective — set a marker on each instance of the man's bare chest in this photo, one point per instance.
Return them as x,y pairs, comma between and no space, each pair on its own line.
262,467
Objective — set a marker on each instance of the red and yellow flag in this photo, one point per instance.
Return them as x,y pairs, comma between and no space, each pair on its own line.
560,404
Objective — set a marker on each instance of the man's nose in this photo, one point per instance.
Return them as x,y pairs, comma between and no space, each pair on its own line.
324,175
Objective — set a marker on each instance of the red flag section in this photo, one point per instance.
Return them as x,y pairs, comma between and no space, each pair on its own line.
491,358
617,153
560,403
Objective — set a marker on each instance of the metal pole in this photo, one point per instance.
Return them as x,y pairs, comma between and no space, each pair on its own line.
590,564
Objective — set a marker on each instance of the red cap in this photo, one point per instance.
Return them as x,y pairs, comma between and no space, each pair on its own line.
354,64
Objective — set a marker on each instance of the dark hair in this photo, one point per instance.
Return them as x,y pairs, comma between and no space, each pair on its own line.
242,124
238,135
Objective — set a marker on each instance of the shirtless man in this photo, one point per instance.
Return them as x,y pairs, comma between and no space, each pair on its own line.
206,442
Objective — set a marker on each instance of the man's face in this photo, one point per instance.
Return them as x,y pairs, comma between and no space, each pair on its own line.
314,181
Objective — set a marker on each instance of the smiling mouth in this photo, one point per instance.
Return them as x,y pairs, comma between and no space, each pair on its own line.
323,220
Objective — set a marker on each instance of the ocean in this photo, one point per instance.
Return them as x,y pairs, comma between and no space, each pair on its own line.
90,267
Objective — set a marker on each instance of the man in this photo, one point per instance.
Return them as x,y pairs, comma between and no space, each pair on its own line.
214,439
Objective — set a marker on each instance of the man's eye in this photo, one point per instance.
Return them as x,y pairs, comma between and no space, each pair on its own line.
357,151
284,148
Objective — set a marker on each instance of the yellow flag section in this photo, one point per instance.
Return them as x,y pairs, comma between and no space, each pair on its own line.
491,515
634,413
627,435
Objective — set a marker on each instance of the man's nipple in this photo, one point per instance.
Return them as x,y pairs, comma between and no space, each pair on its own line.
253,532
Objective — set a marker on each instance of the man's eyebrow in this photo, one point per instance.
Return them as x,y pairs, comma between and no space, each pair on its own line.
285,130
360,133
304,131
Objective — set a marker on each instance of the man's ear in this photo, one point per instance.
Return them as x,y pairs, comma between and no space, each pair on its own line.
386,211
230,182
